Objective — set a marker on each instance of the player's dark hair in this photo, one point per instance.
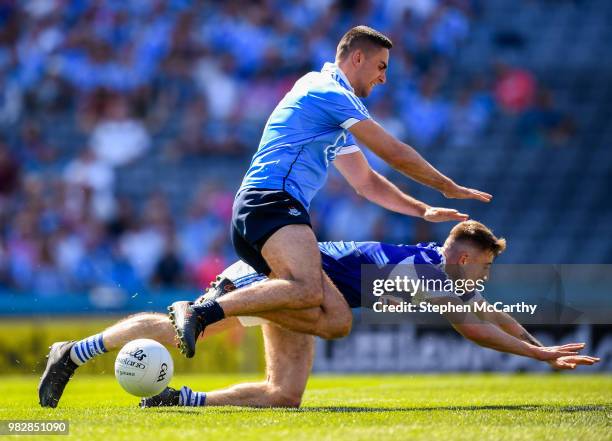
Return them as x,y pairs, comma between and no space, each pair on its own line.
361,37
478,235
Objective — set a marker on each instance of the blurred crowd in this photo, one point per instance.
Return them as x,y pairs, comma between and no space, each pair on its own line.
178,80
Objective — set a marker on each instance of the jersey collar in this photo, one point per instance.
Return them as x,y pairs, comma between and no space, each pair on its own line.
337,74
438,248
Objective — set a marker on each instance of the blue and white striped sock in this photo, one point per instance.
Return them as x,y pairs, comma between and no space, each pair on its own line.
191,398
86,349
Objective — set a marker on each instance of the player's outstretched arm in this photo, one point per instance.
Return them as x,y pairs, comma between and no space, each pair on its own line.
376,188
509,325
407,160
490,336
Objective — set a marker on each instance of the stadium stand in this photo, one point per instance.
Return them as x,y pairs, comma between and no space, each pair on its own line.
198,81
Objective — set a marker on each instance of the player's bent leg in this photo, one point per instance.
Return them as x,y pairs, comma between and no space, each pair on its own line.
288,365
142,325
297,320
65,357
333,319
336,320
151,325
289,357
299,264
222,326
293,255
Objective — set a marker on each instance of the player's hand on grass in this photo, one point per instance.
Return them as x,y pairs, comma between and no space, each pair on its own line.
439,214
570,362
459,192
547,353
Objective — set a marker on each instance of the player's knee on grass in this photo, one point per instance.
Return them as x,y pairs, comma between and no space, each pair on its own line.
289,357
283,397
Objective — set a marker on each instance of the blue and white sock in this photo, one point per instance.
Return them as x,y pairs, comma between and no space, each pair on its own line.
191,398
86,349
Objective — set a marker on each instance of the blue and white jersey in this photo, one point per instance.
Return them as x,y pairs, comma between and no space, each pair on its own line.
305,133
342,262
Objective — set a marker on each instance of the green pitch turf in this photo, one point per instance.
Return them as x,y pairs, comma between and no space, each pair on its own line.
406,407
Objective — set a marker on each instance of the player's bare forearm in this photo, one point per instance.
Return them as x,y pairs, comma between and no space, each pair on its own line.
508,324
408,161
378,189
489,335
511,326
400,156
382,192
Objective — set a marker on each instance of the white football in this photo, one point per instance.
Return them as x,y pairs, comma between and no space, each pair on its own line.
144,367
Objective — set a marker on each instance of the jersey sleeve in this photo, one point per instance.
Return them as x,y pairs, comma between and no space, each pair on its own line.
350,146
341,107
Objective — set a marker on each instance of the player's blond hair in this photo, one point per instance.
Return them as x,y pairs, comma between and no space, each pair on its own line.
477,234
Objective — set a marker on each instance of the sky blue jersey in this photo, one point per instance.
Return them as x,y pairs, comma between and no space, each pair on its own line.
305,133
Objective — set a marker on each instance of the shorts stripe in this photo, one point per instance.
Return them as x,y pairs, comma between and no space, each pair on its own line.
248,280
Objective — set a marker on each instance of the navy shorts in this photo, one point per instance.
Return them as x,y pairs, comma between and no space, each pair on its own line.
256,215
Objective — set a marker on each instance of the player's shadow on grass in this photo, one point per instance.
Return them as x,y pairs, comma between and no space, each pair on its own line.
364,409
519,407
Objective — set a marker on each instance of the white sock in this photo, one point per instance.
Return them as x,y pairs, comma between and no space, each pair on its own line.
191,398
86,349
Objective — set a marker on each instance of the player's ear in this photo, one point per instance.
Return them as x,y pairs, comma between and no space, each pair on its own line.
357,56
463,258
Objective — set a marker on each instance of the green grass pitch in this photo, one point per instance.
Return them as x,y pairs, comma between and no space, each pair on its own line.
347,407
